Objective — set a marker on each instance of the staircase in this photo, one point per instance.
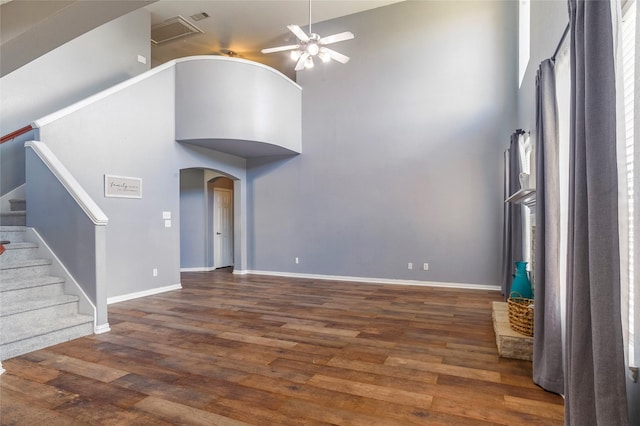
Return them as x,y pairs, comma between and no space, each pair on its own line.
17,216
34,311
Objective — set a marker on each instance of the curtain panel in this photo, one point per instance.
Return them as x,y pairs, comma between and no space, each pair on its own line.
595,372
547,340
513,223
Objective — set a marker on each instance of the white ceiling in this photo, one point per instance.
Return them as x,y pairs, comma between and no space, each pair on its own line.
247,26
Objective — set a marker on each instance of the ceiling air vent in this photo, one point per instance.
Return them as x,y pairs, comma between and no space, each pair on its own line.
172,29
199,16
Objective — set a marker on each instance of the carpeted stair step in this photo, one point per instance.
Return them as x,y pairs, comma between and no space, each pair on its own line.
47,309
16,204
14,218
14,234
23,269
19,251
34,311
36,335
19,291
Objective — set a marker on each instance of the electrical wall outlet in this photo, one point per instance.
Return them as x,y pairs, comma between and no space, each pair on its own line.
409,265
155,272
297,260
425,266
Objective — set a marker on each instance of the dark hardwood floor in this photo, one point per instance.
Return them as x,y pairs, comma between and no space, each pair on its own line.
229,350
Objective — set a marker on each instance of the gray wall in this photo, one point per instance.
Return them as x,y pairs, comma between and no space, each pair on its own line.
106,137
82,67
72,233
29,29
225,106
402,150
193,227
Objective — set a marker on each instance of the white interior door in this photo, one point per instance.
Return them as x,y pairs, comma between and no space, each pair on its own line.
223,227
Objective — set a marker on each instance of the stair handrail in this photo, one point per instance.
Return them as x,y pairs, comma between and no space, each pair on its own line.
84,200
16,133
86,262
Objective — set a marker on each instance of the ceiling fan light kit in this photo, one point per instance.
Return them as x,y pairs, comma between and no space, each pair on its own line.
312,45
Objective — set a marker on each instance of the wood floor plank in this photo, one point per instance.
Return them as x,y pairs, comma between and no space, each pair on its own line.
495,414
95,390
453,370
337,416
544,409
168,391
372,391
32,370
264,341
384,370
100,413
83,368
182,414
321,330
263,350
35,393
16,410
257,415
499,389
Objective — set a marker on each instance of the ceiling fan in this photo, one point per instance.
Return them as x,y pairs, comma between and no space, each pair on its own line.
312,45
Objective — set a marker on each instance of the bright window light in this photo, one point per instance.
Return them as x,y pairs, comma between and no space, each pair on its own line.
630,80
524,35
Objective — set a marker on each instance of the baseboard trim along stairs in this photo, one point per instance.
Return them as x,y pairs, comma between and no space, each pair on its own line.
35,312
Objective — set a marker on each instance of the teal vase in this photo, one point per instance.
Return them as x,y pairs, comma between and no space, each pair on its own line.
521,286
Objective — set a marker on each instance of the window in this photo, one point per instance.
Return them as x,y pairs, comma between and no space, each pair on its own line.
628,71
524,155
524,147
524,33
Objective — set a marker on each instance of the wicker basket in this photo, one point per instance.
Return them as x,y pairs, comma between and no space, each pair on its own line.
520,310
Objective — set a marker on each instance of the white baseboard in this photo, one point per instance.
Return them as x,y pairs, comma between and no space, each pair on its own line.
241,272
2,370
19,193
102,328
198,269
369,280
136,295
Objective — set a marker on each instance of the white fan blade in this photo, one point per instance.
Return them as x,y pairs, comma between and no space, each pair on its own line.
298,32
301,61
343,59
281,48
347,35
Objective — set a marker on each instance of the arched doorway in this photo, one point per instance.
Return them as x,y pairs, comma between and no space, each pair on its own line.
208,205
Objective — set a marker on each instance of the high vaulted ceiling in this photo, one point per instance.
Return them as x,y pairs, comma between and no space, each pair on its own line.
30,28
245,27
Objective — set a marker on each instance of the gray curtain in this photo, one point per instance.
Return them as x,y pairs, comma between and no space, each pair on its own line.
633,389
512,238
547,339
595,372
